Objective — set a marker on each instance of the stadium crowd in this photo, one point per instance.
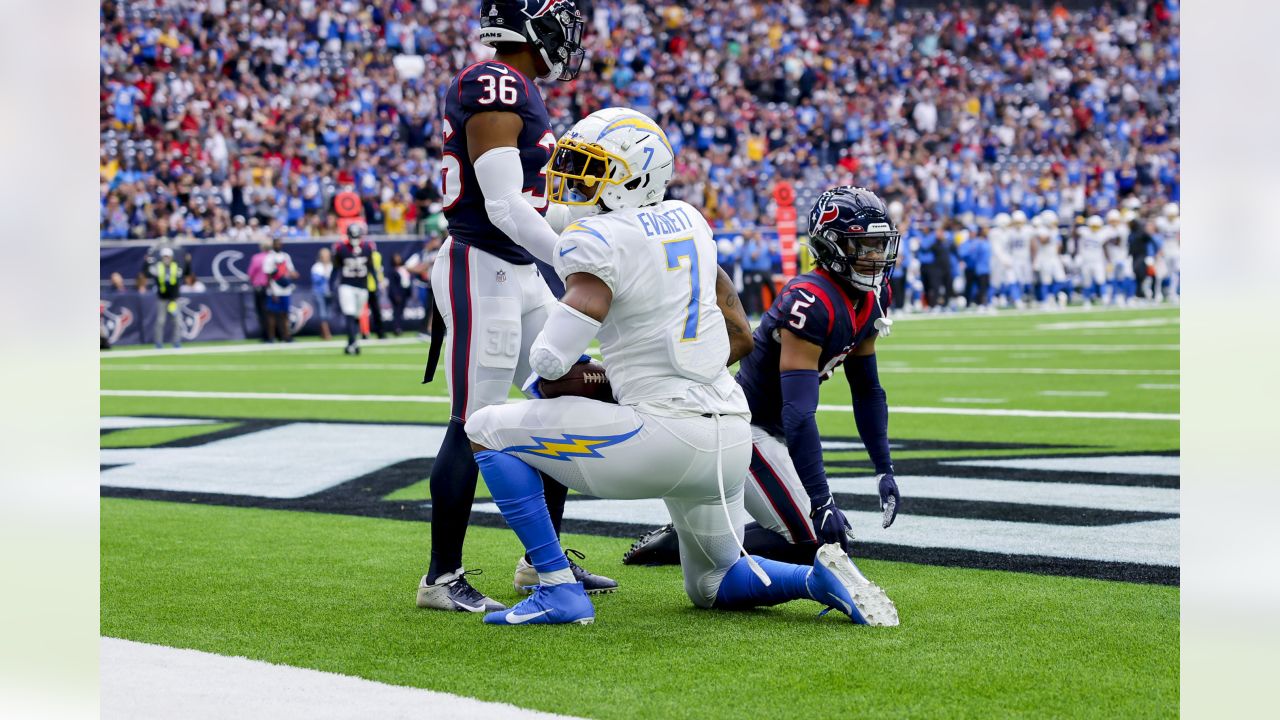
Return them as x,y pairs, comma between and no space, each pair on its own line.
242,119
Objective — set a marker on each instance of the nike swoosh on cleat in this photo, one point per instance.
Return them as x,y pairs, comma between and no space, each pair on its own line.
847,610
516,618
467,607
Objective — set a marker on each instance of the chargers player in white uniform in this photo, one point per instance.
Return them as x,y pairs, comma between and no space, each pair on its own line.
1169,227
1119,264
1001,263
1020,236
642,277
1050,270
1090,259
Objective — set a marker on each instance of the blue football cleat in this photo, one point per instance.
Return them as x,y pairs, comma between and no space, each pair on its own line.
548,605
837,583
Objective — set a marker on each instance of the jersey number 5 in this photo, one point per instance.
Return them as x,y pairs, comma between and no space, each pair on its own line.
684,248
798,318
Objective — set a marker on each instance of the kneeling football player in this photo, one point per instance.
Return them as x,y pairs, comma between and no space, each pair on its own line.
821,319
642,277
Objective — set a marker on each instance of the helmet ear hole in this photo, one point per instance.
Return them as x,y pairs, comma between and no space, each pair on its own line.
635,183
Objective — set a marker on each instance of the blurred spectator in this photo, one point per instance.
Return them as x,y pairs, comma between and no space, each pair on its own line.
419,266
399,283
757,272
278,267
258,282
321,290
191,284
117,282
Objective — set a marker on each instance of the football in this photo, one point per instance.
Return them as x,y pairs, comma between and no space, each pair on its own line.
585,379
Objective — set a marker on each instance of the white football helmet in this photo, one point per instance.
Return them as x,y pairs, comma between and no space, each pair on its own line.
1002,220
616,157
1113,217
1095,221
1171,210
1049,219
1018,218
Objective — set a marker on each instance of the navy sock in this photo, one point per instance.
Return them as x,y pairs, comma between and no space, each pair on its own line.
740,587
453,489
353,326
517,491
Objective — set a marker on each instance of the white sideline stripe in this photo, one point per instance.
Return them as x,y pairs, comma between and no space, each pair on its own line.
1158,386
973,401
1074,393
1153,542
253,348
140,680
128,423
1106,497
1167,465
1103,324
889,347
886,367
906,410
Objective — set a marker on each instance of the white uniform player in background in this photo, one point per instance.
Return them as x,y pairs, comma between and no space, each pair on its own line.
1119,263
1021,235
642,278
1050,270
1091,262
1169,225
1001,262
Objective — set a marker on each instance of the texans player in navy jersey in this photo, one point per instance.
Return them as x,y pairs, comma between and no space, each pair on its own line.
822,319
489,293
350,275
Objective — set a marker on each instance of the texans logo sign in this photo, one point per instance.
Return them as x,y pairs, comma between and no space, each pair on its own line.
193,320
115,323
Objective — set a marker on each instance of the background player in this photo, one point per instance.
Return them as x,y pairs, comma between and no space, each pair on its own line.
1020,237
1119,263
1051,273
823,319
1090,260
1168,229
490,295
352,264
643,278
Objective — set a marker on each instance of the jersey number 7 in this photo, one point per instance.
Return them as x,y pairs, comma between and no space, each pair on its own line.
684,248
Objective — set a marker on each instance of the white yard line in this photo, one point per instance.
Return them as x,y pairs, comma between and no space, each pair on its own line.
254,348
139,680
1022,492
1159,386
906,410
973,400
1108,324
127,422
1074,393
890,347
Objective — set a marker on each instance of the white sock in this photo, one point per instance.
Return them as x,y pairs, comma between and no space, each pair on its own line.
556,577
449,577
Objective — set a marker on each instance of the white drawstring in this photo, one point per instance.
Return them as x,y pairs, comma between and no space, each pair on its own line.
724,503
883,324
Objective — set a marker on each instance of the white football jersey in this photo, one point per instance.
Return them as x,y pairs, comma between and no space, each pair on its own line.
1089,242
664,340
1020,243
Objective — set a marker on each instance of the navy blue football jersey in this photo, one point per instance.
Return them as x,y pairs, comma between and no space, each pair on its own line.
816,308
352,264
488,87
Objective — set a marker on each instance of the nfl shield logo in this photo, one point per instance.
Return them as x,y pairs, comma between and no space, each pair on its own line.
502,276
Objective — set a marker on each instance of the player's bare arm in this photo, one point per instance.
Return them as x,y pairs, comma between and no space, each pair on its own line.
735,318
490,130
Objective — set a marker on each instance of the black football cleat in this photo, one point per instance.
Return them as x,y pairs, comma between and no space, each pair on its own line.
656,547
526,577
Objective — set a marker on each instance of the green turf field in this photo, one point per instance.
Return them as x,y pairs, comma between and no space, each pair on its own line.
333,590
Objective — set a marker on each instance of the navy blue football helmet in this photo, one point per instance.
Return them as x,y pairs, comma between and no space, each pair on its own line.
552,27
852,236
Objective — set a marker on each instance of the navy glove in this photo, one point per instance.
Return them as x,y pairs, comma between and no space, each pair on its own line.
830,524
889,499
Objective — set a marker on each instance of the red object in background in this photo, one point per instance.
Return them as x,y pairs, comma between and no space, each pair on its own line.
785,197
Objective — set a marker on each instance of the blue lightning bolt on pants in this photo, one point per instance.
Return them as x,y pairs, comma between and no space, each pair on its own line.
517,491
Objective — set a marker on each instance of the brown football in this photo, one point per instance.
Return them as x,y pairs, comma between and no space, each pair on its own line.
585,379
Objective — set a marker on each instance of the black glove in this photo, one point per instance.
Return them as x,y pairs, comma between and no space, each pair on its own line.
830,524
889,499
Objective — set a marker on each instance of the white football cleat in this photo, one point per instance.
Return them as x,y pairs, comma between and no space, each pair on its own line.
453,592
871,606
